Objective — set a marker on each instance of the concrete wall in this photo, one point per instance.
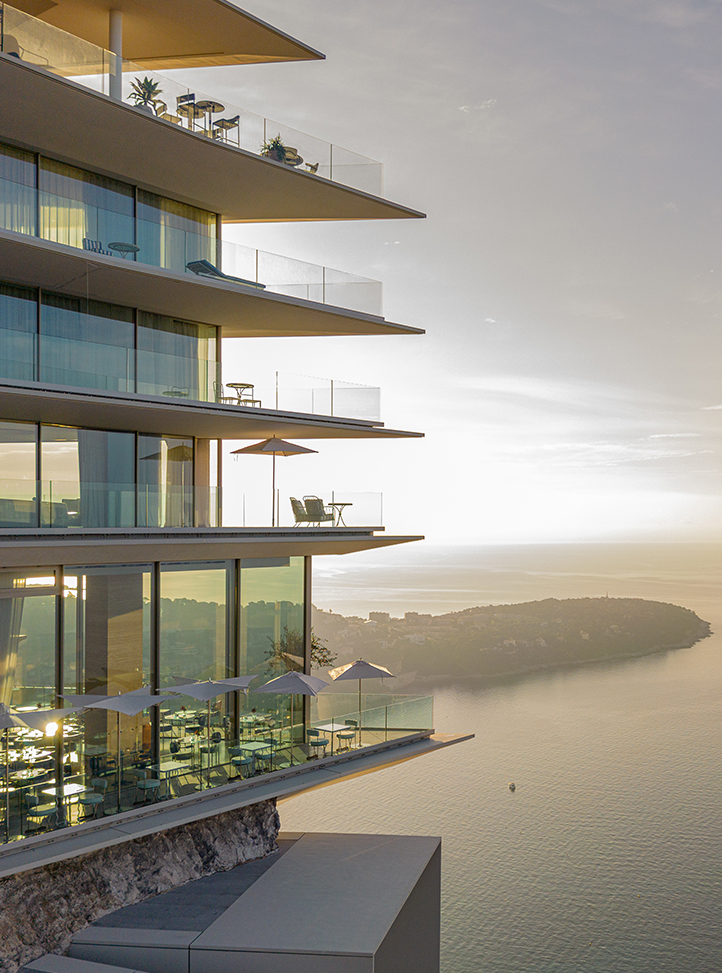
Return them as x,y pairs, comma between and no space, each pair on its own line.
41,910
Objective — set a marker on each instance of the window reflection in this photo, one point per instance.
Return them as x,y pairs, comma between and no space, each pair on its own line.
18,495
18,332
165,481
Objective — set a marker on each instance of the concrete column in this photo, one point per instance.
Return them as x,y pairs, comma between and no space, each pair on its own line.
115,45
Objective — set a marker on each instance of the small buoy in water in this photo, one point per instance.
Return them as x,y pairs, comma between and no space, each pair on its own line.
512,786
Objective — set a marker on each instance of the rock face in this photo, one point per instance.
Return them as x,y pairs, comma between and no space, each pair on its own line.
41,910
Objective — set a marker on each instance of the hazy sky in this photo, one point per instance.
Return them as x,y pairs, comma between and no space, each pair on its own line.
568,274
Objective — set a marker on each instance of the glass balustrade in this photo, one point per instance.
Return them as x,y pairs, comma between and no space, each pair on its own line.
81,504
330,508
167,100
95,764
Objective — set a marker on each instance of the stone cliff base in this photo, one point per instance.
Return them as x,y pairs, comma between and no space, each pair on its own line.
41,910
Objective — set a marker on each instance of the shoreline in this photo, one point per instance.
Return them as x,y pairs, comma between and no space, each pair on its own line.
441,680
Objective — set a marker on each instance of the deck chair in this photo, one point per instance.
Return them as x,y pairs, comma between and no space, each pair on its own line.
318,513
300,513
204,268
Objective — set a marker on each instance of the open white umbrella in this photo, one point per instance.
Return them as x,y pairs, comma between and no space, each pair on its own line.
204,692
130,704
360,670
274,447
8,721
297,684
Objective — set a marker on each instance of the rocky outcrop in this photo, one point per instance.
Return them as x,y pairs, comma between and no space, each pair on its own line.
41,910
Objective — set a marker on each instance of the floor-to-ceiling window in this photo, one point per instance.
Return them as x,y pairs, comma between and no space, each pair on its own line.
83,209
173,234
18,190
272,627
165,481
19,493
18,332
87,344
107,650
177,358
88,477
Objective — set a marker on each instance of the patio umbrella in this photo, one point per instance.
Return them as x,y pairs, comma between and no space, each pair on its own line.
273,447
360,670
204,692
8,721
129,704
296,683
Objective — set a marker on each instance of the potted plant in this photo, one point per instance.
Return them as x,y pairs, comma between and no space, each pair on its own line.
145,94
274,149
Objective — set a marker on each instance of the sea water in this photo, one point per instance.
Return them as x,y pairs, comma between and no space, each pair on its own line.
608,856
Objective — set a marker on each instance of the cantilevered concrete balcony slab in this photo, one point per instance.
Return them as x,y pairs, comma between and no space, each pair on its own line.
175,33
241,311
39,548
36,402
57,117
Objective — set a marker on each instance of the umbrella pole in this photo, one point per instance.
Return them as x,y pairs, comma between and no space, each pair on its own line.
119,761
290,736
208,736
7,786
273,494
359,711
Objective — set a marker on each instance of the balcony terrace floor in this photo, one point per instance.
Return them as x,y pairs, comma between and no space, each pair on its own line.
40,402
38,547
57,117
240,311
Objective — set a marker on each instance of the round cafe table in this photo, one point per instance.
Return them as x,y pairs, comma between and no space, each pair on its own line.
123,248
210,108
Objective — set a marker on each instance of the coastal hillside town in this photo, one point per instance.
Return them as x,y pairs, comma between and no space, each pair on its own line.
499,640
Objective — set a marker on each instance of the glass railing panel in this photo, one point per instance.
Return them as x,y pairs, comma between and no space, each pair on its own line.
37,43
321,396
18,503
17,354
82,225
69,503
338,509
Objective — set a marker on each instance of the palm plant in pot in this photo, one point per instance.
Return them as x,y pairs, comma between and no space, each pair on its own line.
146,94
275,149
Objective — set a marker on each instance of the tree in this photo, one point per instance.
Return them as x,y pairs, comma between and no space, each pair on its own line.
287,653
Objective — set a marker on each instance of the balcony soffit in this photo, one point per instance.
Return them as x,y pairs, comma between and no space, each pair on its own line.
56,117
175,33
241,312
147,414
36,549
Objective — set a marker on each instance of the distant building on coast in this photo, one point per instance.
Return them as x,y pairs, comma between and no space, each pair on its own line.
119,573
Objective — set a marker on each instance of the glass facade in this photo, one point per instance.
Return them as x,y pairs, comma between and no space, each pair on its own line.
89,344
69,205
117,629
83,209
18,333
83,478
177,357
18,191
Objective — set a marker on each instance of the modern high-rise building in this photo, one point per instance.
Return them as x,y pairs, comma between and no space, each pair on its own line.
119,569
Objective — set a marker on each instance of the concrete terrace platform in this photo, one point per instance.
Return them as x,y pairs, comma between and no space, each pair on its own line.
91,836
324,903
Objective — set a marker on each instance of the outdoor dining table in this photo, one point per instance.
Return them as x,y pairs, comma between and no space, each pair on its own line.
338,511
69,791
169,769
255,748
332,727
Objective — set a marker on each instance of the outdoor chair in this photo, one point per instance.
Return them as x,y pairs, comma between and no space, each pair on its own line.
95,246
37,812
316,742
219,393
223,126
95,798
346,738
300,514
204,268
146,785
318,512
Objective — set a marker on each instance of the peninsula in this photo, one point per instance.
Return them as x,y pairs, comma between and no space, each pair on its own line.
503,640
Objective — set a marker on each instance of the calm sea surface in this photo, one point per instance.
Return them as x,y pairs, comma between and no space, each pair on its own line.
608,858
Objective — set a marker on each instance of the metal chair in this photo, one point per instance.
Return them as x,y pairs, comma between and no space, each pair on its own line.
146,785
317,742
35,811
300,514
95,798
